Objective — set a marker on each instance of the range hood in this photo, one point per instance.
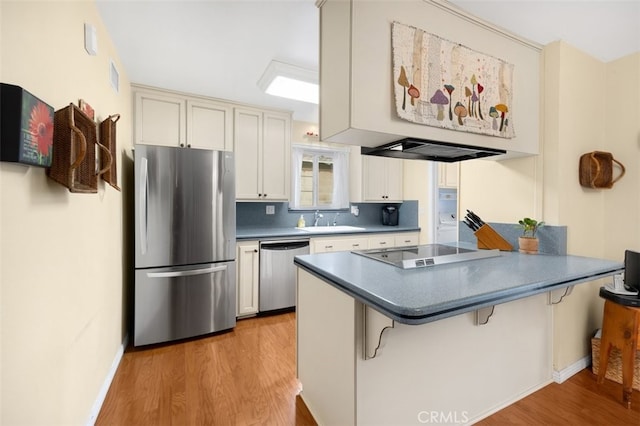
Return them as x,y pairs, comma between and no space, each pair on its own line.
422,149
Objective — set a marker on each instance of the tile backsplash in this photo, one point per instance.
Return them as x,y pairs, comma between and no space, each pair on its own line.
250,215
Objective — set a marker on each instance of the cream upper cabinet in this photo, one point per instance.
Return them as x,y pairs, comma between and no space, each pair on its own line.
175,119
160,118
209,125
262,143
382,179
448,175
248,277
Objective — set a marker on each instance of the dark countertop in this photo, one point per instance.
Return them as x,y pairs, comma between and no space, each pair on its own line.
421,295
261,233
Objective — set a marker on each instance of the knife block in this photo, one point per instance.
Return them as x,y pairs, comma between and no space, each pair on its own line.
488,238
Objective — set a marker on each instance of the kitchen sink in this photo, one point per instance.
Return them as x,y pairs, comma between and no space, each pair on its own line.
330,229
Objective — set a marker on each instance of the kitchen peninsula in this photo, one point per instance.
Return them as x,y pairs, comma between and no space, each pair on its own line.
378,344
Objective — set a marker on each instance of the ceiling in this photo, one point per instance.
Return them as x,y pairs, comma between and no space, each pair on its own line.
220,48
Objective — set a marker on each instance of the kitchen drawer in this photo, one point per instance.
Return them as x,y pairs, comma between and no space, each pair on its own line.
382,241
408,239
324,245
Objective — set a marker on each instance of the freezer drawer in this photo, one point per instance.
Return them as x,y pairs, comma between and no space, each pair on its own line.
179,302
278,273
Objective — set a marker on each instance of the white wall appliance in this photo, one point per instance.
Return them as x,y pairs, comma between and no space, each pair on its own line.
184,243
447,216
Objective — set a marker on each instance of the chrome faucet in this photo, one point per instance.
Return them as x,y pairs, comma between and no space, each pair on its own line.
317,216
335,219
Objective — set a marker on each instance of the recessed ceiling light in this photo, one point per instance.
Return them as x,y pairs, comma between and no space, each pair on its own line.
290,81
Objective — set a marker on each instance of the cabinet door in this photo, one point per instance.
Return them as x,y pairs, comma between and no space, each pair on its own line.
248,277
382,179
248,149
276,157
209,125
448,175
160,119
395,180
374,179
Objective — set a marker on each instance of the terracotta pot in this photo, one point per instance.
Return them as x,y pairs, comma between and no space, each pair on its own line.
528,245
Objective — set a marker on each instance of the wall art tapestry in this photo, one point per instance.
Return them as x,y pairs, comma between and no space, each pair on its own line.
443,84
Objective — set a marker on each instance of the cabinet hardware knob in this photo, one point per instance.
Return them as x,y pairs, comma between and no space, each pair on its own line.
265,195
181,145
188,145
255,250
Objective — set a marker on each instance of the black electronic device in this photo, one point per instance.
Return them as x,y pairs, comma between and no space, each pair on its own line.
632,271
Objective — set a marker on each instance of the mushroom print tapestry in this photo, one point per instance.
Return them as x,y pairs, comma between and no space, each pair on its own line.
444,84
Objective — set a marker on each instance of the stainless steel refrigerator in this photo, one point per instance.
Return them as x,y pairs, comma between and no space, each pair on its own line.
185,239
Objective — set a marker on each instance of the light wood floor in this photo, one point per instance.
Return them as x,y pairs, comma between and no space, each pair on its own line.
243,377
247,377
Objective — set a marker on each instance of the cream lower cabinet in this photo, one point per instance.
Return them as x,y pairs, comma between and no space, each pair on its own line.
175,119
382,179
382,241
262,144
247,277
407,239
364,242
351,242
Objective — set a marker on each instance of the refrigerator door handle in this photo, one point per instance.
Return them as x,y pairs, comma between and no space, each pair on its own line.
172,274
143,208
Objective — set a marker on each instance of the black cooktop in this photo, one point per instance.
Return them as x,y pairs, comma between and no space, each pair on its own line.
425,255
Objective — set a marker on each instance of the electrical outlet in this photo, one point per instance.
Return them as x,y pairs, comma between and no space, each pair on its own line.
271,209
355,210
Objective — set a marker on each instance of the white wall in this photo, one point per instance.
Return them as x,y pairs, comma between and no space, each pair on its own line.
61,255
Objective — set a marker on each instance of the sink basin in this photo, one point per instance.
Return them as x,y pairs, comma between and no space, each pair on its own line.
330,229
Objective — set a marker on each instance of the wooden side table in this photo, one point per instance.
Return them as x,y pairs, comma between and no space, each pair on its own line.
620,328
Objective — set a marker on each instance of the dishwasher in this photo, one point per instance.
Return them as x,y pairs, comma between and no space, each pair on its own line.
278,273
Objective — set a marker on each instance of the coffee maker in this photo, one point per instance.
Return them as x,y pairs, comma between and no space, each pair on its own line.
390,216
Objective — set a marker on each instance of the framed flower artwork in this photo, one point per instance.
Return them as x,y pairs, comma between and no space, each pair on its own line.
27,127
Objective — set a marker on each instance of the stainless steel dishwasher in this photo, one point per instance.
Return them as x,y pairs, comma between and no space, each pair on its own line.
278,273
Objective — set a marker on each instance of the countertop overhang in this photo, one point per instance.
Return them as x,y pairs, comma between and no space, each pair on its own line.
421,295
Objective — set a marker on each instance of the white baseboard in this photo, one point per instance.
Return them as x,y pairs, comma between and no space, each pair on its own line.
576,367
508,402
97,405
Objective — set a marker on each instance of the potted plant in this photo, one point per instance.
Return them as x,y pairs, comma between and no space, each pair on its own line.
528,242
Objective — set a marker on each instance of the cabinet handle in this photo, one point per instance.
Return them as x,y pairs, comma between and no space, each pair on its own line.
355,245
259,195
383,243
188,145
265,195
255,250
328,247
181,145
